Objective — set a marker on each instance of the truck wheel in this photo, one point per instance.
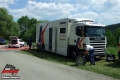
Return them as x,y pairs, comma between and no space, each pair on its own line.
43,48
38,48
80,61
73,54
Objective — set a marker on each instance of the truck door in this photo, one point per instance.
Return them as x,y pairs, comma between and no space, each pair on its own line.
50,39
40,34
54,37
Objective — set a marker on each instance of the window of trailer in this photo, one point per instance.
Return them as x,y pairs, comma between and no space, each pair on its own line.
62,30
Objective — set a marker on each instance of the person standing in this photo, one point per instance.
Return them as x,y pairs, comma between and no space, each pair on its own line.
89,50
30,42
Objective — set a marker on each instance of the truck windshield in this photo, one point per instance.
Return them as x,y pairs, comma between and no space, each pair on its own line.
95,31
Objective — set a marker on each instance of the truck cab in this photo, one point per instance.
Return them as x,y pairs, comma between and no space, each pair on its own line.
90,32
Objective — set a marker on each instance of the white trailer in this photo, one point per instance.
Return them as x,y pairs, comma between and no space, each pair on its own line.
66,36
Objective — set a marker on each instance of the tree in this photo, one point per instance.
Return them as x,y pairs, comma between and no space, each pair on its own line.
23,23
111,40
117,35
27,27
40,21
7,26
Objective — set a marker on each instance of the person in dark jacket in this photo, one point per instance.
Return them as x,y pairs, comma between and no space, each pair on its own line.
30,42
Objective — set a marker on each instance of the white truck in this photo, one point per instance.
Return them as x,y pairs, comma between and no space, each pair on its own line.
66,36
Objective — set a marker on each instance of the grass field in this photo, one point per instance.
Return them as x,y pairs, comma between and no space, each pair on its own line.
107,68
112,50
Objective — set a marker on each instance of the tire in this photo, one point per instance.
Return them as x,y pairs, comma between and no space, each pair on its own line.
73,54
113,61
112,56
107,60
9,47
80,61
43,48
39,48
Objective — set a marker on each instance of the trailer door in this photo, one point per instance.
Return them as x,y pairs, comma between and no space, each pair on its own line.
50,39
54,37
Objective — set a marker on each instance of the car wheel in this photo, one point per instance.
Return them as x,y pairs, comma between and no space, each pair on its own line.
9,47
23,45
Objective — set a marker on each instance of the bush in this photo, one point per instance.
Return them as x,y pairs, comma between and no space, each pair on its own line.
111,40
112,50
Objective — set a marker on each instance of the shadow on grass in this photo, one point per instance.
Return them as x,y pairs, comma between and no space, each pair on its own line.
54,57
49,56
115,64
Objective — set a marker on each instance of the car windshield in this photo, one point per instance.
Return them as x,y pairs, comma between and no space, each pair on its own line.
95,31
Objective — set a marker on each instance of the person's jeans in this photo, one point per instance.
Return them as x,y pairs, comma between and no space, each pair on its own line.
91,56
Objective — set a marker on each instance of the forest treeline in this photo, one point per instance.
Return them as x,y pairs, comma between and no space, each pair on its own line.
113,27
113,34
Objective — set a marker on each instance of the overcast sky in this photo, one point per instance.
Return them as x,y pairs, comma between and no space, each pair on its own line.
104,11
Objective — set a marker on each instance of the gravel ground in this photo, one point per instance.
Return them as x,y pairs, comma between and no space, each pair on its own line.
33,68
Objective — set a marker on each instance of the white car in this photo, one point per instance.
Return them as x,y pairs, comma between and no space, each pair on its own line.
15,42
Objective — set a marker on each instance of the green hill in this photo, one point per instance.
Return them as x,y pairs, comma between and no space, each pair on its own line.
113,27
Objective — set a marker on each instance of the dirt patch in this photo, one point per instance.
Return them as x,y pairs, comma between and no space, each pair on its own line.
4,47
